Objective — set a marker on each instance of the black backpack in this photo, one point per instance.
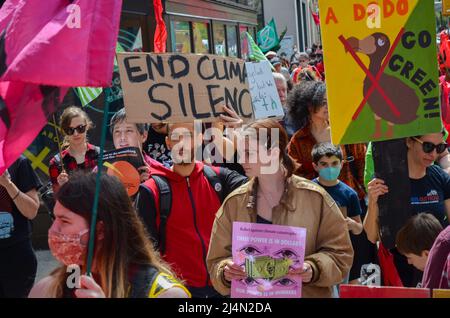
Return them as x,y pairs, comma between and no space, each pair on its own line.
165,202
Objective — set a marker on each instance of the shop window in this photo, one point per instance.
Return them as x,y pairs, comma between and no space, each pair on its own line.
219,39
232,40
252,31
244,42
201,37
181,37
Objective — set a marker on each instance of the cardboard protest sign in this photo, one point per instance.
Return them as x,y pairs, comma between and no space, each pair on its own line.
174,87
124,164
267,252
287,46
357,291
265,98
381,69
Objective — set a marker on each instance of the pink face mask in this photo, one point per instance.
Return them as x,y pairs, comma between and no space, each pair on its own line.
68,248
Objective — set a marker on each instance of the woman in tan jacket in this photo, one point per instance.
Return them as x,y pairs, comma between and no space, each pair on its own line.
275,196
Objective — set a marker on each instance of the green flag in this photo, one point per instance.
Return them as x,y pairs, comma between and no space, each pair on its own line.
254,52
268,37
88,94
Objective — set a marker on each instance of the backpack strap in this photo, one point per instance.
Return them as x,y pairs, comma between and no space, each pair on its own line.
165,205
164,282
214,181
142,281
146,209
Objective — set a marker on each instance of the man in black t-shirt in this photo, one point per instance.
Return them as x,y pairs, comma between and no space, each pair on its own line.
155,145
19,203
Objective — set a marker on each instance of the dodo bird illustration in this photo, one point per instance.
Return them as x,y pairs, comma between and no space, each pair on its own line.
403,98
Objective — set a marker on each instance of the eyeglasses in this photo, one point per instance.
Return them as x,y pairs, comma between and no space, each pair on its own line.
428,147
80,129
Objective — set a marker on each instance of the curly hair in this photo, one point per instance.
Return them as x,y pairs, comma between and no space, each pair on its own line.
305,97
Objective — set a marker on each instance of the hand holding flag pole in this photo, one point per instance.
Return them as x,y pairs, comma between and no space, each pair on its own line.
63,170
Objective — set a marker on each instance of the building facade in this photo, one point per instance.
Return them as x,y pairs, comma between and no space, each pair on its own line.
195,26
442,20
297,17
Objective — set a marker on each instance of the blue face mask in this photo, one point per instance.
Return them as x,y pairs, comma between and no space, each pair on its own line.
330,173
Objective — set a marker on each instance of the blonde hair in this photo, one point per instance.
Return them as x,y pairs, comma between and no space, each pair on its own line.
66,118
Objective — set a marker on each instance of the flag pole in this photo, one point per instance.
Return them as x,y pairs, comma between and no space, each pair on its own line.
97,189
59,144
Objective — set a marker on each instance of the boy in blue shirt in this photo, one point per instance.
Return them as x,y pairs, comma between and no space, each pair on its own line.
327,161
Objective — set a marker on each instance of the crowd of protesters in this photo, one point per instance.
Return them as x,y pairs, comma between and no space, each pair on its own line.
173,239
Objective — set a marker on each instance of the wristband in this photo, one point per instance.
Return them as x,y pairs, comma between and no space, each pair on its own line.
15,197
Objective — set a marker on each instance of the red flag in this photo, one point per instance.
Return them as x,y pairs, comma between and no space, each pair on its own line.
24,111
61,43
388,269
44,49
315,17
160,32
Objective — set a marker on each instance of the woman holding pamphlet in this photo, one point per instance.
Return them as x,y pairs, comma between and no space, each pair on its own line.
275,196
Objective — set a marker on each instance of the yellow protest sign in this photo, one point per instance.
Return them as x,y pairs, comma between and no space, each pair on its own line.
381,69
446,7
441,293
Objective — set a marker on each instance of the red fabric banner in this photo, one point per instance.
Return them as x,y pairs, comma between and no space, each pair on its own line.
44,50
160,32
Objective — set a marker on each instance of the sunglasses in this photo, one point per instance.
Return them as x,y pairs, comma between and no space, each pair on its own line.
80,129
428,147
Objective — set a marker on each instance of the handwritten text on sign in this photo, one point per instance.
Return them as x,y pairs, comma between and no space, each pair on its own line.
265,98
180,88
